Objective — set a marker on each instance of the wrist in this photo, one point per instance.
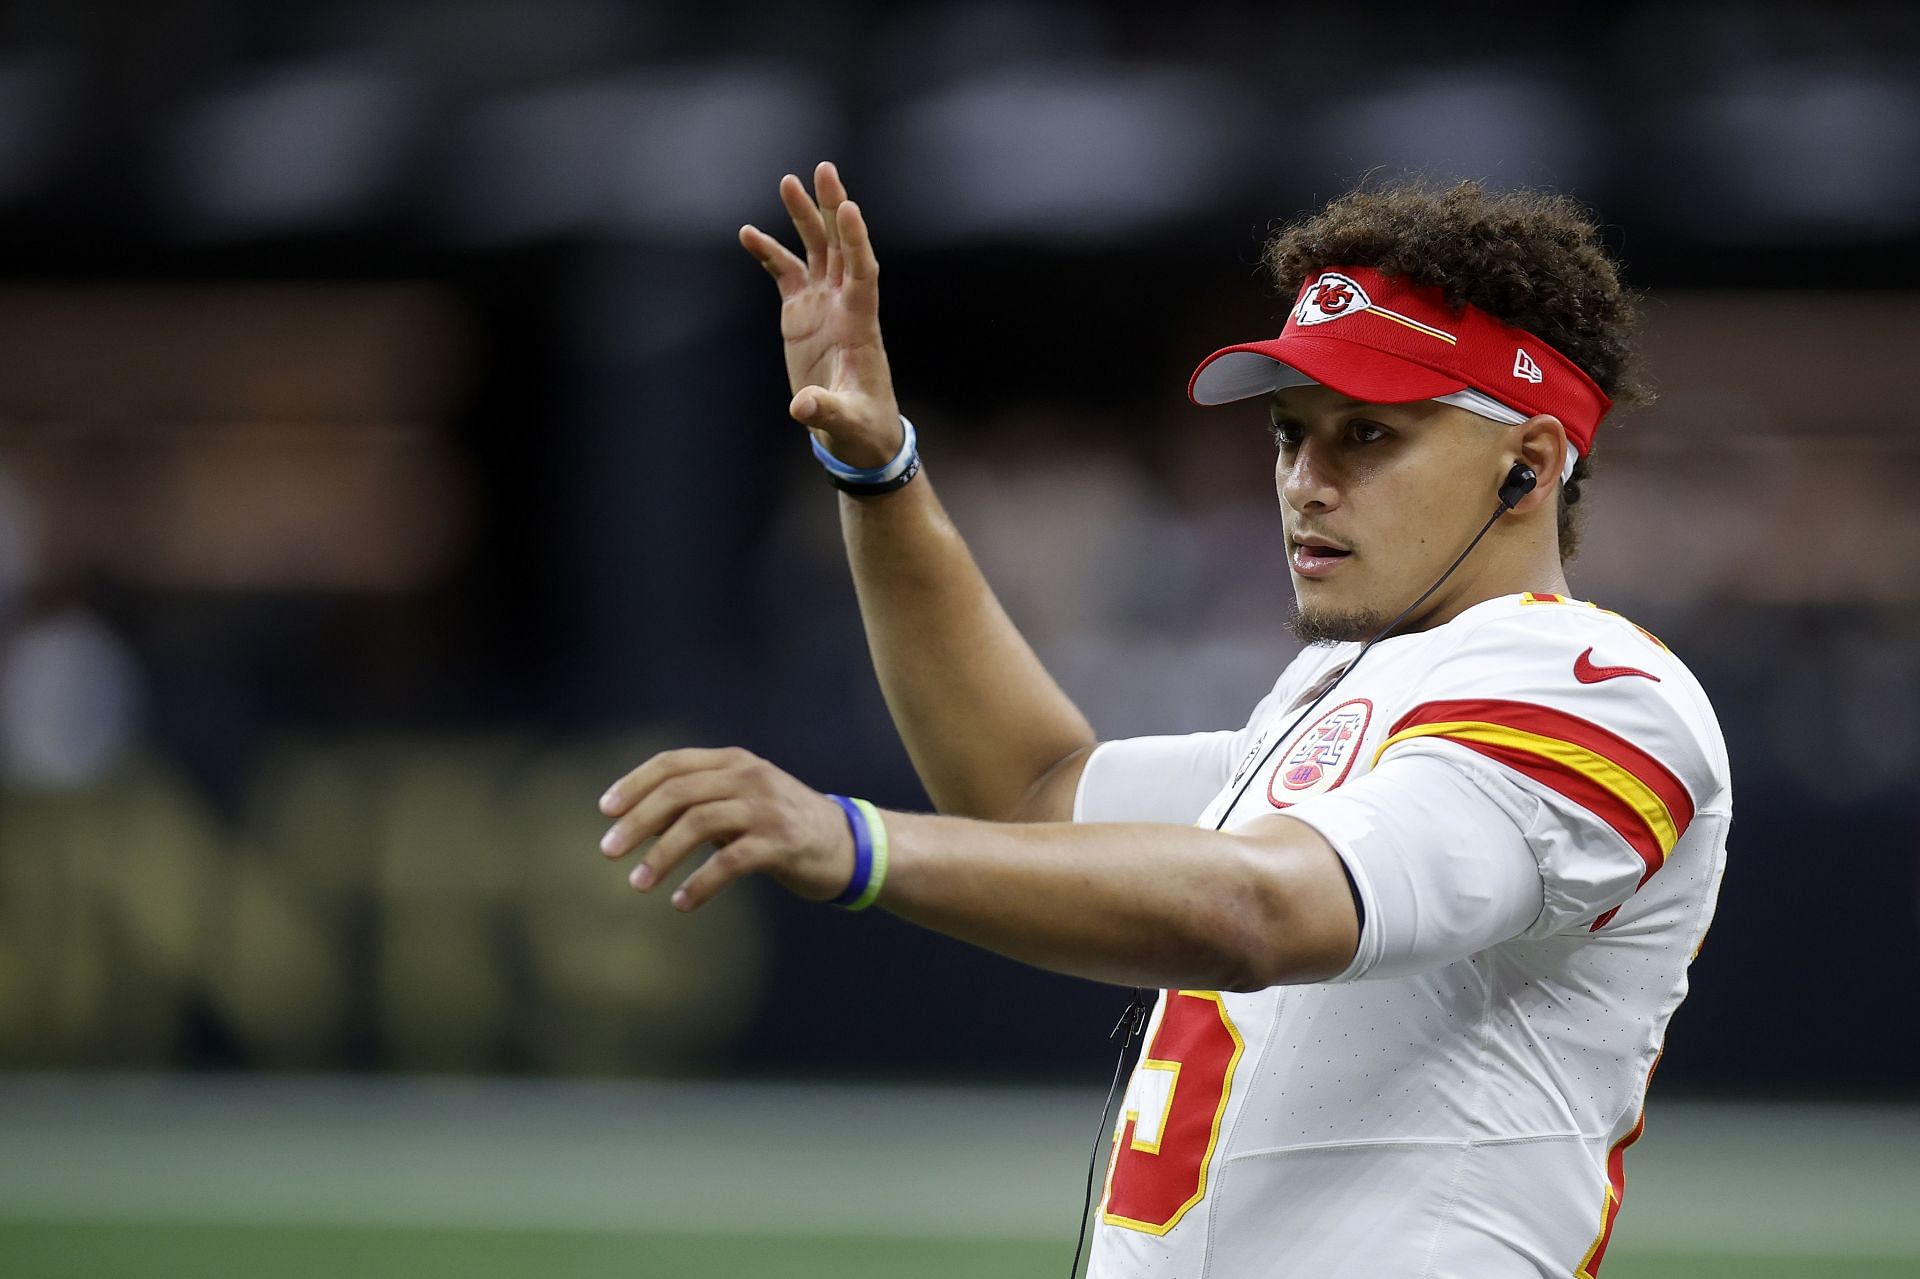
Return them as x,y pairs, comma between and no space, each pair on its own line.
896,472
870,853
863,454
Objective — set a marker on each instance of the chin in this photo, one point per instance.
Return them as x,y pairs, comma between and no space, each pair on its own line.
1321,624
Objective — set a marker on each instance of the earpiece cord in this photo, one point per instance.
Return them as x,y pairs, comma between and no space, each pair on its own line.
1384,631
1134,1017
1130,1022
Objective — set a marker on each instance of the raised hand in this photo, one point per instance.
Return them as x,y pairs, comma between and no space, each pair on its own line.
830,320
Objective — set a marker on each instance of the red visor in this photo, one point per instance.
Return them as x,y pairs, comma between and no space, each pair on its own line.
1385,340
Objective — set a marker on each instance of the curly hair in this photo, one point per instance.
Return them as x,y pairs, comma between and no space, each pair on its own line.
1530,259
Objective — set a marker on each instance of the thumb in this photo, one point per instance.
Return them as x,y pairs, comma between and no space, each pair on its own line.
818,408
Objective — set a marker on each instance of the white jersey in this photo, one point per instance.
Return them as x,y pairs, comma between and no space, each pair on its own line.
1532,803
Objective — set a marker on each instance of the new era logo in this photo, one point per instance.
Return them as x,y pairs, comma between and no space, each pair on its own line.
1524,367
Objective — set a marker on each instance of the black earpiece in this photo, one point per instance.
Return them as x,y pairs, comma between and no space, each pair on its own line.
1519,483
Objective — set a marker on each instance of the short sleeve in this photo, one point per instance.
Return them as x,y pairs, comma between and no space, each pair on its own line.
1153,779
1440,864
1587,733
1169,778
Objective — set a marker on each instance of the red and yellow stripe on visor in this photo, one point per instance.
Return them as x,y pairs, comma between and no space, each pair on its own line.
1604,773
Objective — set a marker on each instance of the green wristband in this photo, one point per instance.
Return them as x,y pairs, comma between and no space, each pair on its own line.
878,828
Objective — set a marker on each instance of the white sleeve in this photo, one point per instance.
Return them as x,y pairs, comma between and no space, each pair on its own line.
1171,778
1176,778
1601,767
1154,779
1440,863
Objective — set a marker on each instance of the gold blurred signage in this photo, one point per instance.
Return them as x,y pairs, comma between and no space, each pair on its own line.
414,903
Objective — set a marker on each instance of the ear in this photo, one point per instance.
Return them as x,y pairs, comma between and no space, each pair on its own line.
1540,442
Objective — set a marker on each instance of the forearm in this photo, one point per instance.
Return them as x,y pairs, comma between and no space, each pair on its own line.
980,716
1133,904
988,730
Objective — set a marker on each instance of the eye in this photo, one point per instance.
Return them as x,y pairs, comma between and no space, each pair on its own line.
1286,435
1364,432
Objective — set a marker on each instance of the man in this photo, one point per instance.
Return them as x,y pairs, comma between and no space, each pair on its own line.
1418,927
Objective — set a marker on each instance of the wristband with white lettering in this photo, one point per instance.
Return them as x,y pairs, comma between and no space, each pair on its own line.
868,481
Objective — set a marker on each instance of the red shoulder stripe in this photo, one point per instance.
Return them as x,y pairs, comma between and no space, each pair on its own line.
1533,718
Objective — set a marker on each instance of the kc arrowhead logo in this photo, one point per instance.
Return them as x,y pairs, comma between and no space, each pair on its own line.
1332,297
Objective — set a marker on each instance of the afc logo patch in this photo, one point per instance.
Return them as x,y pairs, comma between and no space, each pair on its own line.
1321,757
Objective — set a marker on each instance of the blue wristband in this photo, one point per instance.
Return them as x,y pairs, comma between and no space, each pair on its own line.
862,853
892,470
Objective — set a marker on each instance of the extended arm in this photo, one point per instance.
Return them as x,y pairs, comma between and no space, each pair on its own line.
989,731
1130,903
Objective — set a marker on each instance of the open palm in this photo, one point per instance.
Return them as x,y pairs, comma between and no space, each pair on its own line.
830,321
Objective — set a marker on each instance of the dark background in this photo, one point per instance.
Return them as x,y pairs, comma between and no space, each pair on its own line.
393,451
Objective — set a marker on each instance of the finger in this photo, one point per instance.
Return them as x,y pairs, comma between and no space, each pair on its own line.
807,221
665,802
720,822
863,268
736,861
629,790
788,271
832,194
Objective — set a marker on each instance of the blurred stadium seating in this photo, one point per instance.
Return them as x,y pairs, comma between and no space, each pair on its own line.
392,451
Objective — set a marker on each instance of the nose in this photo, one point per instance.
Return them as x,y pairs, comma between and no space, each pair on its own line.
1308,483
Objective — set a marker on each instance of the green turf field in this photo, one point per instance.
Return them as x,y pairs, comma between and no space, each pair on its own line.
161,1178
80,1251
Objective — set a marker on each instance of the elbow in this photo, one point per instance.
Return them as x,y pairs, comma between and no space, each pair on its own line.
1049,797
1026,796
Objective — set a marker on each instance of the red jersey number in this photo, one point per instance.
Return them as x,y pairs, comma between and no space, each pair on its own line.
1170,1120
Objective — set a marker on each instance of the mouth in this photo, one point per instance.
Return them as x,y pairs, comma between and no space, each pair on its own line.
1316,556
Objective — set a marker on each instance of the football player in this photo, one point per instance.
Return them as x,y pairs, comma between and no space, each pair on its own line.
1419,925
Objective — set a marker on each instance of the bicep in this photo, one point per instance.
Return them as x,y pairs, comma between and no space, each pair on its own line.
1309,916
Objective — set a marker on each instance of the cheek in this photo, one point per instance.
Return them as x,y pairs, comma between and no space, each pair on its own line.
1413,512
1446,513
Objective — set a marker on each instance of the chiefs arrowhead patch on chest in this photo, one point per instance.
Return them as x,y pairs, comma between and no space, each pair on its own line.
1320,758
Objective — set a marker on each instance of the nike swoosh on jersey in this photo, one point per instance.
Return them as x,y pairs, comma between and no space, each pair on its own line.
1587,673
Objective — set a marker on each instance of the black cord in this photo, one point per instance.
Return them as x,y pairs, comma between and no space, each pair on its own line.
1134,1017
1384,631
1130,1021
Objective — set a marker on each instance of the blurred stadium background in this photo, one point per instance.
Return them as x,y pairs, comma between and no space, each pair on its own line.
392,451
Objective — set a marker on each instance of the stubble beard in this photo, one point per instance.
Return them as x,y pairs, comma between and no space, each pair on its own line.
1335,626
